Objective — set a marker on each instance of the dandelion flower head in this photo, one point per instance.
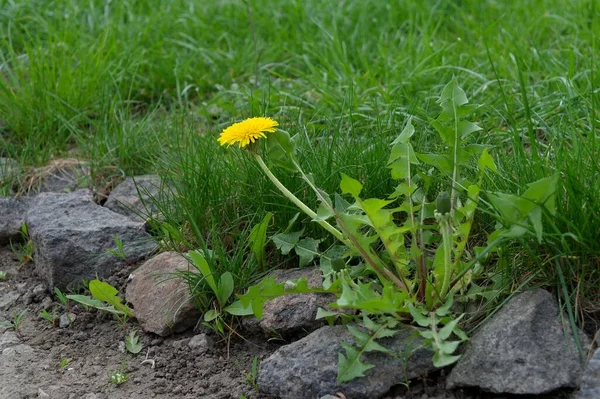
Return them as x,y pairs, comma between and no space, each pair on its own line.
247,131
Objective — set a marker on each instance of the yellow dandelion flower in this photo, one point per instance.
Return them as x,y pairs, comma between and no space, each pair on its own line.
247,131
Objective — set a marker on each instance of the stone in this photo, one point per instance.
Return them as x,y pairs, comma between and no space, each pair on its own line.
39,292
59,176
73,236
13,211
8,299
8,339
200,343
308,367
42,394
17,350
590,382
135,197
161,300
523,349
66,319
289,314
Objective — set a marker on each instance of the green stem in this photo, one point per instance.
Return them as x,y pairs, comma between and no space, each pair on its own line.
303,207
447,240
372,259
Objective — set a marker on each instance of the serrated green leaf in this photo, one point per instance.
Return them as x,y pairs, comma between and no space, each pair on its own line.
445,308
445,331
323,313
350,186
441,360
406,133
418,317
442,162
350,366
307,249
448,347
466,128
486,162
285,242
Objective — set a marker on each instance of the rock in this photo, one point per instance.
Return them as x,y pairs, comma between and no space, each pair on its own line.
522,350
46,303
72,237
308,368
161,300
13,211
200,343
39,292
8,339
42,394
292,313
135,197
180,343
17,350
59,176
66,319
8,299
329,397
590,382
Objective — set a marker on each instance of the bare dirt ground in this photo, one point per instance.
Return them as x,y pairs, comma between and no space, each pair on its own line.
75,362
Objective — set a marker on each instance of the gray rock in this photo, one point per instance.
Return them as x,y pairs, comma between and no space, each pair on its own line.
17,350
590,382
292,313
329,397
66,319
523,349
308,368
46,303
200,343
8,299
72,237
135,197
8,339
59,176
13,211
162,300
39,292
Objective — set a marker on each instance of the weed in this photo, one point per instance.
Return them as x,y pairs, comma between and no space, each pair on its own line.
64,363
132,343
104,298
3,275
118,251
23,252
50,317
16,322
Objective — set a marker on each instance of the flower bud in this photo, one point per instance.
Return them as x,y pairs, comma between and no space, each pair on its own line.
442,203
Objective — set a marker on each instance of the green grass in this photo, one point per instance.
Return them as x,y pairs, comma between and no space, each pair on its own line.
146,86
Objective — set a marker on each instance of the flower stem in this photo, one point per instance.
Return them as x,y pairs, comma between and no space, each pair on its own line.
303,207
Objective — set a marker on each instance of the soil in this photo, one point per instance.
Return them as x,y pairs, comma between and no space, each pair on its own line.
90,344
